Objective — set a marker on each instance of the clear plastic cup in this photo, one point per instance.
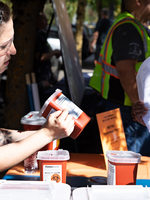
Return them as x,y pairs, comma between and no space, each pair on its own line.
30,163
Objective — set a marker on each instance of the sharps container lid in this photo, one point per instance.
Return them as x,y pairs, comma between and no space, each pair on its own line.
123,156
53,155
45,108
33,118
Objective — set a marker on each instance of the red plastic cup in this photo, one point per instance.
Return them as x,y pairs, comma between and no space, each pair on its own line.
32,121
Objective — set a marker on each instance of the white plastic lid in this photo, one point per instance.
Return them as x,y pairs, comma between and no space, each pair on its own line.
57,91
53,155
29,190
123,156
33,118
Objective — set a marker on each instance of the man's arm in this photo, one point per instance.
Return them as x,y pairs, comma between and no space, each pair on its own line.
127,75
94,40
128,49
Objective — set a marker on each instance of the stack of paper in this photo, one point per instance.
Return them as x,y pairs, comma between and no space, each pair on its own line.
107,192
143,84
31,190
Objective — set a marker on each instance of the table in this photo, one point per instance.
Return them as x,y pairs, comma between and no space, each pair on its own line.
86,165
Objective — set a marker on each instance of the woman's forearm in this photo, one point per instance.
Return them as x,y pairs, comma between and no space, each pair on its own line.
14,153
8,136
58,125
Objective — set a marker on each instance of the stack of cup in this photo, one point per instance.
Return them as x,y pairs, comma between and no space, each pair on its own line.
32,121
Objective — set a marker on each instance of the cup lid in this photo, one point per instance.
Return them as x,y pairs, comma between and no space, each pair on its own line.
58,155
33,118
47,102
123,156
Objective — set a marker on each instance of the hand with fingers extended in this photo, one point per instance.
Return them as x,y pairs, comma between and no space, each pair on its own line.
59,125
138,111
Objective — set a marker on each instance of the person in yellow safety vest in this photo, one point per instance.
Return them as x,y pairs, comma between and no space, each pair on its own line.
126,46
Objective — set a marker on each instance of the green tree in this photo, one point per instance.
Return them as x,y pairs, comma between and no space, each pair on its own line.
79,26
84,13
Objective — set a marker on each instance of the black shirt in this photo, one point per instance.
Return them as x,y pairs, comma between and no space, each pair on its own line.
102,27
127,44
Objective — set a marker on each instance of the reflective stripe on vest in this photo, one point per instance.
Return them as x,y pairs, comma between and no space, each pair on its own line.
107,68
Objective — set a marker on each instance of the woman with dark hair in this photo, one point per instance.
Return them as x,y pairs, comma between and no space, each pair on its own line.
15,147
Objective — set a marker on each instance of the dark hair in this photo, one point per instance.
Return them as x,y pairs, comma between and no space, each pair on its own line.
5,13
105,11
127,5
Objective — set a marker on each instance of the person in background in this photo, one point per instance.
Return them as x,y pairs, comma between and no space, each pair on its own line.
126,46
16,146
43,55
100,32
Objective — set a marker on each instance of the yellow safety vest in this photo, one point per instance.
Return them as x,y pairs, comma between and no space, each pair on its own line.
103,69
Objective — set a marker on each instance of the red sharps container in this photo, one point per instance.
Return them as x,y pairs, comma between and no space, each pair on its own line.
58,101
52,165
32,121
122,167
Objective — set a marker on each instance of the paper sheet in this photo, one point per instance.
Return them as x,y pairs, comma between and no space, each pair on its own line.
143,84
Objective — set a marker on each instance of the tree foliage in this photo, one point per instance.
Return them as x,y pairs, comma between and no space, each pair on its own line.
8,2
93,8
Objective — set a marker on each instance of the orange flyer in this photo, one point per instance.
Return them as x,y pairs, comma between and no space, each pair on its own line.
111,131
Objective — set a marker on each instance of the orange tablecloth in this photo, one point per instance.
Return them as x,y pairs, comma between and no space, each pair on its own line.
88,165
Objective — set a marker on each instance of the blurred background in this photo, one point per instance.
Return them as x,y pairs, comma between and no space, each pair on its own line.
83,16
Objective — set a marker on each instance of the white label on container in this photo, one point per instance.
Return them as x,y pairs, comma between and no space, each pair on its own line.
52,173
111,177
65,103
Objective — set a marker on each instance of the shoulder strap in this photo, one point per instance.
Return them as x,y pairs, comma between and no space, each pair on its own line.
125,20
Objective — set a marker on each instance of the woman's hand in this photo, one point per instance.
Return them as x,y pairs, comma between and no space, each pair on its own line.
59,125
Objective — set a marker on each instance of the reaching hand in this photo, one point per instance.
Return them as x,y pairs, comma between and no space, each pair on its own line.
59,124
138,111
